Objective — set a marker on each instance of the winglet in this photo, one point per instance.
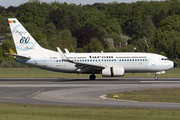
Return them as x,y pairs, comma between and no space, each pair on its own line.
61,54
67,51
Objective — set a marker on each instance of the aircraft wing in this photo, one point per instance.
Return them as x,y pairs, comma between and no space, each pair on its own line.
81,66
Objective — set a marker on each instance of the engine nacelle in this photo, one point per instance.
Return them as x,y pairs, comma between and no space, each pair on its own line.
114,71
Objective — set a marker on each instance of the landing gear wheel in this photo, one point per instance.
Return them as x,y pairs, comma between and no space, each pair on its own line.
92,77
156,77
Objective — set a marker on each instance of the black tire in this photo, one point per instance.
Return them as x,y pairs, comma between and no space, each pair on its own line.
92,77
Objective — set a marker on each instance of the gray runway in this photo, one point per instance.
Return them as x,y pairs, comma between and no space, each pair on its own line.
81,91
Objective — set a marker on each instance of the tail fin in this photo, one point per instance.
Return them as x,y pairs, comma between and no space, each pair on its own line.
24,42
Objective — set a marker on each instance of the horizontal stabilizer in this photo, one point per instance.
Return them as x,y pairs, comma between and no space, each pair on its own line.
15,55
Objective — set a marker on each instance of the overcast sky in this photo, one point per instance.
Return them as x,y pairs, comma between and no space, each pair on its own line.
7,3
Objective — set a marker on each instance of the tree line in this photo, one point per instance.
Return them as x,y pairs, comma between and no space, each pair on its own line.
139,27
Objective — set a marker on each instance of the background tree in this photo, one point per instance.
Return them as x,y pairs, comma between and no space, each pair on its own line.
113,27
94,18
34,12
140,29
83,35
72,22
41,39
30,27
158,17
57,17
94,46
128,48
50,31
65,40
116,37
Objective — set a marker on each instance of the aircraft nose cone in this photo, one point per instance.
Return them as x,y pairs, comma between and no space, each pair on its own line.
175,64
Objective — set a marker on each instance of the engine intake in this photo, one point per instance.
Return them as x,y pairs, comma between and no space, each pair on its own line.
114,71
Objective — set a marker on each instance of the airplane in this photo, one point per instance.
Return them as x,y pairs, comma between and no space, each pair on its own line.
115,64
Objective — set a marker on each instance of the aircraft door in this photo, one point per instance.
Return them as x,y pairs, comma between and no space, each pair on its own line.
44,62
153,61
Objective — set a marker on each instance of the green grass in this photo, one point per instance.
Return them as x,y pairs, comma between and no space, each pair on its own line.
33,72
170,73
152,95
13,111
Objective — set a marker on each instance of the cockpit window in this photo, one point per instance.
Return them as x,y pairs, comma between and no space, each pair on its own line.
164,59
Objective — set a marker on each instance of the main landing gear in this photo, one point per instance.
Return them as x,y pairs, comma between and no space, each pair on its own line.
92,77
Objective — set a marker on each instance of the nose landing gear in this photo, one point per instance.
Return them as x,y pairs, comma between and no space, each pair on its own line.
156,77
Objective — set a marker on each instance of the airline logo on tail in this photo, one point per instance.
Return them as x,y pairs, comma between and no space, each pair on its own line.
22,43
12,21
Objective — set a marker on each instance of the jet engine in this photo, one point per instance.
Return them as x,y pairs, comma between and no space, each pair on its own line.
114,71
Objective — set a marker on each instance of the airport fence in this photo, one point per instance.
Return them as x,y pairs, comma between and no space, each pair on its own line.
14,64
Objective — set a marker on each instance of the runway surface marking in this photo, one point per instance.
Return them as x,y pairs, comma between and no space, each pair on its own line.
160,81
19,98
35,93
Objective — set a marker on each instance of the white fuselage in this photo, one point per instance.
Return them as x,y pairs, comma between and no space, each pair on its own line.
131,62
